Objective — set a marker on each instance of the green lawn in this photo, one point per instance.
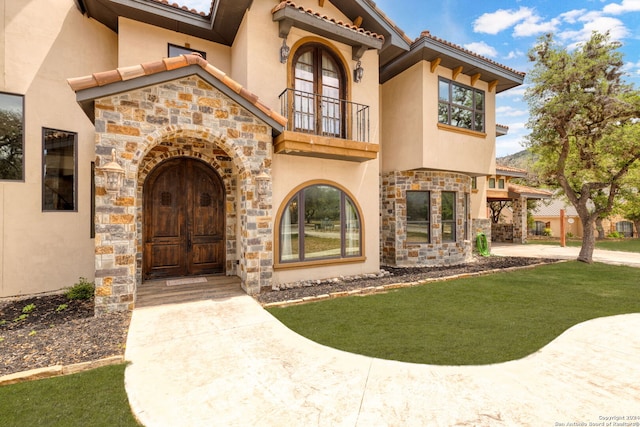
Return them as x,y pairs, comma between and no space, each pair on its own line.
625,245
92,398
479,320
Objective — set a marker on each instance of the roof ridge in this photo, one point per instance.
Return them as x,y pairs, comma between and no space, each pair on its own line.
427,34
121,74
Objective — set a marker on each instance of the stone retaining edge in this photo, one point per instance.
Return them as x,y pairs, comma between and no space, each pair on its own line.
391,286
58,370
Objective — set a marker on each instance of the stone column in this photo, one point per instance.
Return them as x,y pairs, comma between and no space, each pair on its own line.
520,220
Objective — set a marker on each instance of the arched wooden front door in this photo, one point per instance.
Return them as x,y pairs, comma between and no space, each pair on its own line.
183,220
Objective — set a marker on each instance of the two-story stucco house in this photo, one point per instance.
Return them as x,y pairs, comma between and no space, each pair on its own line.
272,141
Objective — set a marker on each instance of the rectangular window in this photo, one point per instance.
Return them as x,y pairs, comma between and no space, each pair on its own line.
175,50
474,183
467,216
501,183
418,217
492,183
460,106
11,137
58,170
448,216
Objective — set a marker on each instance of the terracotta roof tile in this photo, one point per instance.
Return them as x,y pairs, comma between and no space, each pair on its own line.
311,12
149,68
509,169
427,34
185,8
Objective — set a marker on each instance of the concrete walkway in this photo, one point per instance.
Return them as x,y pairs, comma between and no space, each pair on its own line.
228,362
550,251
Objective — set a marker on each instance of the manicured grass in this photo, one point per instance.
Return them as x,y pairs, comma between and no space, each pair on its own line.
479,320
91,398
625,245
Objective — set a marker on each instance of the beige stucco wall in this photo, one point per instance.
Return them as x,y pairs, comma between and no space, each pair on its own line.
360,179
139,42
47,42
410,125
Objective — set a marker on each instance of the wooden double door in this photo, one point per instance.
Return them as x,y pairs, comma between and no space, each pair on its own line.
183,220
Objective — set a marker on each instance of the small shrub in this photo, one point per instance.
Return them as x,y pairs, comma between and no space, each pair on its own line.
21,317
28,308
61,307
570,235
547,232
615,235
81,290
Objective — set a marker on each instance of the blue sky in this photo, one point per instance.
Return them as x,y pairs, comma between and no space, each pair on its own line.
505,31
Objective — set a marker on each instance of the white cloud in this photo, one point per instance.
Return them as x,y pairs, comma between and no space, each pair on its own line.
514,54
625,6
508,111
534,25
517,92
595,22
481,48
493,23
573,15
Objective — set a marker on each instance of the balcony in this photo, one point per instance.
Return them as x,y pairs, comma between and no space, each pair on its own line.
319,126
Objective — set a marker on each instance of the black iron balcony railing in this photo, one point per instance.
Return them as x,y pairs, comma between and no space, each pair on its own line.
320,115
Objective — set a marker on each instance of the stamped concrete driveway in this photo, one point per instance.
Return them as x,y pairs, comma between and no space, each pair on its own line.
228,362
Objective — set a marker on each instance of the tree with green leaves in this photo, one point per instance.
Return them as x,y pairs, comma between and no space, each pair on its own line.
584,125
629,204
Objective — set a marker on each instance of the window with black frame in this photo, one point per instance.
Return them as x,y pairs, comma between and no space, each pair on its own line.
418,217
58,170
319,222
448,216
461,106
11,137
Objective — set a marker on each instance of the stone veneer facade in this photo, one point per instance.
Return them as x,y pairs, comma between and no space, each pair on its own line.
182,118
395,249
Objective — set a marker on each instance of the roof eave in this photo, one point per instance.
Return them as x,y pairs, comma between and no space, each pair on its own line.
428,49
86,97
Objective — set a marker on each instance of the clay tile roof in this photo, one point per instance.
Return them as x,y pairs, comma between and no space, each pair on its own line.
185,8
390,22
509,169
311,12
530,191
427,34
502,126
166,64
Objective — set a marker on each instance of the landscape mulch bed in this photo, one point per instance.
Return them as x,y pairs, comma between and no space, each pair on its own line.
54,334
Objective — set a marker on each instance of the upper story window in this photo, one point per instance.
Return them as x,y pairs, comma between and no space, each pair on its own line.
58,170
461,106
492,183
11,137
319,222
501,183
319,92
175,50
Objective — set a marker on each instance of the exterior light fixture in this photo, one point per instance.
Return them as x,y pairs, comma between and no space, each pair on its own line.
284,51
358,73
114,174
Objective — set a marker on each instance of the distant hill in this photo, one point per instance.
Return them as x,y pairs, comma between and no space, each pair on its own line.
522,160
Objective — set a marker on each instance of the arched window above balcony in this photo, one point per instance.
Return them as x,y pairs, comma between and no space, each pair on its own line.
319,92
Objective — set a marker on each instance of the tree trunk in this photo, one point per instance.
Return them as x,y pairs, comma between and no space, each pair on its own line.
588,240
637,224
600,228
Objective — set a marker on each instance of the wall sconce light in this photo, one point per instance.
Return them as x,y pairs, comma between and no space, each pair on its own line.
262,182
284,51
358,73
115,175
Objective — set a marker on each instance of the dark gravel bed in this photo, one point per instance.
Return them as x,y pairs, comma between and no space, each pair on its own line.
52,334
401,275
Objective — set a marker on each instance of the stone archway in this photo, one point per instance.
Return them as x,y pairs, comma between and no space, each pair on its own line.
240,149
